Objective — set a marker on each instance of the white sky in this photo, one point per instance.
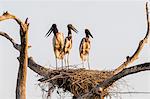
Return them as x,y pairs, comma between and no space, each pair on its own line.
117,26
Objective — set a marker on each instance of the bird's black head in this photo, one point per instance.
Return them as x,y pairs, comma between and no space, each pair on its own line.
87,32
71,27
54,25
53,28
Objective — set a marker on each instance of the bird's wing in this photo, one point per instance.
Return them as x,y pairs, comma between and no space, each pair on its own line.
67,44
81,45
54,41
88,46
60,39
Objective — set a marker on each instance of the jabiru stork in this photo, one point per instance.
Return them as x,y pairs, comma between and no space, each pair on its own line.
84,47
58,42
68,42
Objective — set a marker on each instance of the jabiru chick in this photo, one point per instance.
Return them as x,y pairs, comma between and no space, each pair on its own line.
84,47
68,43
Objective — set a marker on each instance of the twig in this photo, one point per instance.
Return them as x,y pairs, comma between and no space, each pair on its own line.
53,78
130,92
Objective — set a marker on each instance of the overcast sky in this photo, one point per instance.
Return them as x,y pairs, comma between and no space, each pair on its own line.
116,25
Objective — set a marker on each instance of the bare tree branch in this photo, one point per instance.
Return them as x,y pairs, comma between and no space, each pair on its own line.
131,59
6,15
125,72
41,70
148,22
16,46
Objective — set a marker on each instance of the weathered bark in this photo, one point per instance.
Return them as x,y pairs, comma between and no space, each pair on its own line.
23,63
41,70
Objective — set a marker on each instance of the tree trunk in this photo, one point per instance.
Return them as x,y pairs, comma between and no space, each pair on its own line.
23,63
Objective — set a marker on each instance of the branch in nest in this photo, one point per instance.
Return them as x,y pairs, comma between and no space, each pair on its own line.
41,70
131,59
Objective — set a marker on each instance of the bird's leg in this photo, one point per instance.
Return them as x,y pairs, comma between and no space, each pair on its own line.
68,60
82,63
88,61
62,63
65,60
56,62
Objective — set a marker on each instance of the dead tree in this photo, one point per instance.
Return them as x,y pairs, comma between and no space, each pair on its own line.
82,83
22,48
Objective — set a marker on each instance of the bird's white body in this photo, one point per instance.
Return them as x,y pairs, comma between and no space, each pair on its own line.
58,44
84,48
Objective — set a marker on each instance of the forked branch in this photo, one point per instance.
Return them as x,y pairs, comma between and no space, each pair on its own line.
125,72
131,59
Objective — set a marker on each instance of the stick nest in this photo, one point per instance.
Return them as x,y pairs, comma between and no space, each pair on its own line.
77,81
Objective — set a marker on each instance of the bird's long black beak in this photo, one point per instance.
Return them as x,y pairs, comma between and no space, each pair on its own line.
74,29
49,32
88,32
